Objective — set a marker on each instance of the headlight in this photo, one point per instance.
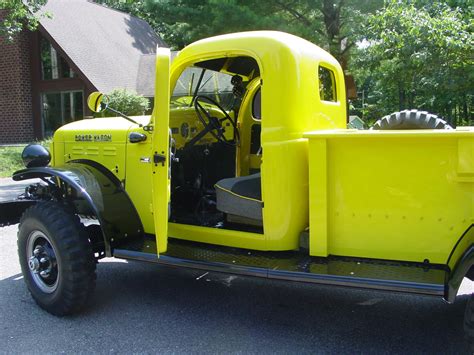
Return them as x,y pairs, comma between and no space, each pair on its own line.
35,156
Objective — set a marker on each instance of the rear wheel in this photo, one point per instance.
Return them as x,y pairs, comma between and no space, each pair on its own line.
469,323
411,119
56,258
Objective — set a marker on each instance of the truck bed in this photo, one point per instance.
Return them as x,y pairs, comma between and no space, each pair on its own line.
393,195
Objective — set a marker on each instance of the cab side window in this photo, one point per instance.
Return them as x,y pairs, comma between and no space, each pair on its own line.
327,85
257,105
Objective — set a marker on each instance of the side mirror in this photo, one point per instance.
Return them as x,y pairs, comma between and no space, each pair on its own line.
97,102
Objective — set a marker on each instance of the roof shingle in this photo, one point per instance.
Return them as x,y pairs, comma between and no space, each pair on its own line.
105,44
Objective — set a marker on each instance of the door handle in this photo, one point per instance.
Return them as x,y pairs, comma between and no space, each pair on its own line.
136,137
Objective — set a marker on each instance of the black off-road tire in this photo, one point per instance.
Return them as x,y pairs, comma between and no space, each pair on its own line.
469,324
411,119
52,240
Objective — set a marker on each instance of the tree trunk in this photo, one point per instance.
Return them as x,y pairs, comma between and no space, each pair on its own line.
401,97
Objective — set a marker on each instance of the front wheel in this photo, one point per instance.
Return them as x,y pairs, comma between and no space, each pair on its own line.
469,323
56,258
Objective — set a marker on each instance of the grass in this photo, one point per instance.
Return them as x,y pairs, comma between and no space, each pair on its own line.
10,158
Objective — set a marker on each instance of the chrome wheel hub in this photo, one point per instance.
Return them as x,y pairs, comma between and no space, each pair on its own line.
42,262
34,264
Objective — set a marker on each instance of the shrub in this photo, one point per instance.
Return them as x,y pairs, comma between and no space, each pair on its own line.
126,101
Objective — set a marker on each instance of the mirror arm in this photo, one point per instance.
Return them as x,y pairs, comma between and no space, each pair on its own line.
124,116
197,88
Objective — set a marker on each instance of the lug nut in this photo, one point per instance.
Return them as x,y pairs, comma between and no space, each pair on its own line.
44,273
33,264
43,260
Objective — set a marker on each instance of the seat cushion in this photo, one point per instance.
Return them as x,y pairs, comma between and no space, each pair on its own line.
240,196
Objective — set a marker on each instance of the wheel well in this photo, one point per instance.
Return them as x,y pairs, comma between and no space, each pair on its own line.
464,268
60,190
90,191
470,273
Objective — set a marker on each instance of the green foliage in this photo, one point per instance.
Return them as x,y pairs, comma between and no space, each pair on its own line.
415,53
136,8
128,102
332,24
185,21
20,14
10,158
418,56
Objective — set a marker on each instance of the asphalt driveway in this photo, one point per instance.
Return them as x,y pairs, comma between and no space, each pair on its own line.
10,189
144,308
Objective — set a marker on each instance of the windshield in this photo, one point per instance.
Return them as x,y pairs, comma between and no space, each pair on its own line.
203,82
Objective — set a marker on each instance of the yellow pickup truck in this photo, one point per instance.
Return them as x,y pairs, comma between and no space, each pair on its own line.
246,166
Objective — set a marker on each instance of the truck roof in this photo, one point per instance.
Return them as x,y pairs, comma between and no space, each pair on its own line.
288,67
257,44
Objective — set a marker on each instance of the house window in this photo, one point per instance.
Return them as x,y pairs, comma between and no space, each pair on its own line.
327,85
53,66
66,71
59,108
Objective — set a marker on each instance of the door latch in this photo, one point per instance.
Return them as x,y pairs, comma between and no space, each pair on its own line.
159,158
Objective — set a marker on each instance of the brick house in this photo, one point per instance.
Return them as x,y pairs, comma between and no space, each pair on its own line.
46,75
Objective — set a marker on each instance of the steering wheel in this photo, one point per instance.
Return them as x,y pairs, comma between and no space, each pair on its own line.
212,124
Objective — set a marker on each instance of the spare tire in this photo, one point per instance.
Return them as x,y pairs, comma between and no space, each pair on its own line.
411,119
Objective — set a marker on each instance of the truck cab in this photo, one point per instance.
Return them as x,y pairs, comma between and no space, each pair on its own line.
253,108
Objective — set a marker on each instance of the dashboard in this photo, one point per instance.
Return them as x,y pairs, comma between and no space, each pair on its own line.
185,125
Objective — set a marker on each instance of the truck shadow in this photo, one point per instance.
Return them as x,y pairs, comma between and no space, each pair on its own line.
192,311
290,316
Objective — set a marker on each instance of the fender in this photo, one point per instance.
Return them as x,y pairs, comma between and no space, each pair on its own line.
464,264
98,192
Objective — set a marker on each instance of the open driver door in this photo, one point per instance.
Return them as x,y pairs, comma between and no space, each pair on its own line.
160,146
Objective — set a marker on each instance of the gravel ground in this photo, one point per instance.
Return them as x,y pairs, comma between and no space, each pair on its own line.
144,308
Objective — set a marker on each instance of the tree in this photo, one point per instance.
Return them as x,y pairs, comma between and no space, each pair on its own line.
181,22
126,101
136,8
418,54
20,14
332,24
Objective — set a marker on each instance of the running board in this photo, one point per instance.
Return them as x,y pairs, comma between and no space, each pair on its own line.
427,279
